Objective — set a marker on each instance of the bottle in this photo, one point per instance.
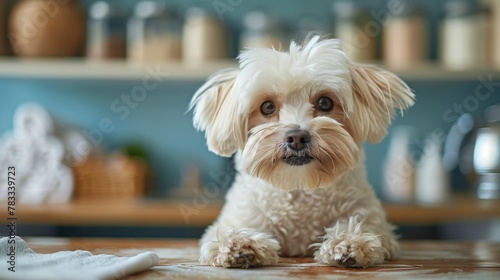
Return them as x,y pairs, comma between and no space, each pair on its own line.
351,27
153,33
464,36
106,31
405,38
432,182
262,30
204,37
399,168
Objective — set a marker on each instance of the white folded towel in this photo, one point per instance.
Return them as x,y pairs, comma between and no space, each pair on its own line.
33,120
69,264
16,151
42,151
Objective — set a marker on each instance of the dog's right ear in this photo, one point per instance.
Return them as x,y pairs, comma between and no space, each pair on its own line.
216,112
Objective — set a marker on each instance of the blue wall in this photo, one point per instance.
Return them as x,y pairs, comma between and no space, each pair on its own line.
161,125
159,122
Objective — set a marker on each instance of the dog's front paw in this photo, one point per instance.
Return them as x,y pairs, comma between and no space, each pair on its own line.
242,248
350,248
362,251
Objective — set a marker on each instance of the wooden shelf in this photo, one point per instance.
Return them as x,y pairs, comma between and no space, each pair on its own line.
118,212
82,69
104,70
435,72
169,213
456,209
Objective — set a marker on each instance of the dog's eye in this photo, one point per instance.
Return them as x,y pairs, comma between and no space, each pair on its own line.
325,104
267,108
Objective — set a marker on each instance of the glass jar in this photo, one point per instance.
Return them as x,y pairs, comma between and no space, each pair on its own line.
106,31
352,28
464,36
153,33
405,37
262,30
204,37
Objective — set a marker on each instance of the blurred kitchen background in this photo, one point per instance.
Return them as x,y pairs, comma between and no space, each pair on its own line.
94,97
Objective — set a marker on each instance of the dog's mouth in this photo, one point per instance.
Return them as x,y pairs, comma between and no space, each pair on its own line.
298,160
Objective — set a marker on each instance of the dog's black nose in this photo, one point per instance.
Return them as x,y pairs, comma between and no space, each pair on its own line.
297,139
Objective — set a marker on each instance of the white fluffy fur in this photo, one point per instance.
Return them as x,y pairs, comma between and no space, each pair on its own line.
325,208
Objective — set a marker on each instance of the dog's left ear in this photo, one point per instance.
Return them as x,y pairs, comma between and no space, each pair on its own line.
377,95
216,112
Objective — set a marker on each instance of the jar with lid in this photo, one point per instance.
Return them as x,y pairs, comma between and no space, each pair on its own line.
204,37
262,30
41,29
405,38
153,33
464,36
352,27
3,36
106,31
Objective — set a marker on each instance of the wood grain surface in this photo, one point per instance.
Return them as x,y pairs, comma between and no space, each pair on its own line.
179,260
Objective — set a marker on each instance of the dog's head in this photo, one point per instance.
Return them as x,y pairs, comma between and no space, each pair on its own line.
298,118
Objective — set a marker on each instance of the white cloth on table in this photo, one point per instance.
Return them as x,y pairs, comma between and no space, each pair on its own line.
69,265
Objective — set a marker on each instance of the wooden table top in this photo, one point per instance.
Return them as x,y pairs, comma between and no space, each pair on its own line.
188,212
420,259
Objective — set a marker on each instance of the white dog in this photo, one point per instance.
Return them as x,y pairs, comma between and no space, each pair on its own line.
297,121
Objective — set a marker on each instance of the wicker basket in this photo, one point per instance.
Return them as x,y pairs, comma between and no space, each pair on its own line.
115,177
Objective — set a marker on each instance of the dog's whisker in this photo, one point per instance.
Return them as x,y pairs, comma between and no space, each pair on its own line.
322,150
254,146
262,133
277,147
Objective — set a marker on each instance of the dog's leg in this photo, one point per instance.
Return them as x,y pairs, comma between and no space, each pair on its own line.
357,244
243,248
